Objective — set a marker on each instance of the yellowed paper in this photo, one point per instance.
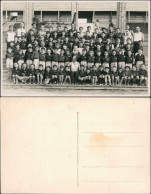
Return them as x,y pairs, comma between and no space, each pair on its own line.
76,145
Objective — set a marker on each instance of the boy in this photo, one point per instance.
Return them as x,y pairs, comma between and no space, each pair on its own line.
81,75
129,59
31,74
10,35
48,58
42,58
98,59
61,58
139,59
29,57
9,62
40,74
36,57
47,75
120,74
101,75
94,74
106,60
83,58
55,58
143,75
121,59
23,76
91,59
61,74
54,74
127,75
134,76
67,75
88,76
107,76
114,76
15,73
74,69
113,59
68,57
20,58
23,44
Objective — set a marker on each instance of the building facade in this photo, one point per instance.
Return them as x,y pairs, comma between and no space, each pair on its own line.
106,12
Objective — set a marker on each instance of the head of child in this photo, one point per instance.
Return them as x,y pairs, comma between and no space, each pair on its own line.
42,51
75,47
113,52
32,38
47,68
67,52
55,67
107,47
101,68
24,65
63,33
16,65
107,69
98,53
122,51
65,29
129,41
50,44
105,53
30,49
140,52
9,50
118,30
40,67
64,46
87,33
62,52
82,67
94,67
42,27
57,45
74,58
127,68
56,51
71,34
91,53
37,48
66,39
80,29
32,66
80,45
134,68
48,34
42,43
96,30
89,28
143,66
61,67
129,53
118,41
11,43
67,68
16,39
20,52
11,28
120,69
114,68
23,38
49,51
17,46
108,41
50,29
98,47
31,32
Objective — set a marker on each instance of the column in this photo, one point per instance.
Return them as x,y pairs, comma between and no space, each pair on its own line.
121,15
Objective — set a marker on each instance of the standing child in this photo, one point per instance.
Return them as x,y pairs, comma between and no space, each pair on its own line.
106,60
9,61
32,74
29,57
143,75
48,58
47,75
40,74
23,77
20,58
121,59
67,75
36,57
134,76
101,75
107,76
114,76
10,35
55,58
94,74
61,58
113,59
91,59
15,73
81,75
127,75
139,59
74,69
42,58
129,59
61,74
54,74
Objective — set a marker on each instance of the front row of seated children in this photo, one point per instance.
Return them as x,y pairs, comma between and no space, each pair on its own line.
94,76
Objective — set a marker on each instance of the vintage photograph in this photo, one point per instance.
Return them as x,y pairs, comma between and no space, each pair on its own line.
70,48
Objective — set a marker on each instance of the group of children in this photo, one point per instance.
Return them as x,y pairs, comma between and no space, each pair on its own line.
75,57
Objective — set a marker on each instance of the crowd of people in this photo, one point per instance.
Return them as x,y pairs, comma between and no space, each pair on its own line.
104,56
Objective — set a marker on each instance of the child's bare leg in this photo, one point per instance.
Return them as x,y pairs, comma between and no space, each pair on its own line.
38,79
33,79
109,80
41,78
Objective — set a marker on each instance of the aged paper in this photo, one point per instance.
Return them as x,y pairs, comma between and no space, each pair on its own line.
76,145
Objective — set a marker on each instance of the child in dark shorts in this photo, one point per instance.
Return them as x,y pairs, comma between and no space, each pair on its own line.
88,76
67,75
121,76
127,75
47,75
61,74
114,76
94,75
54,74
107,76
15,73
134,76
40,74
81,75
101,75
23,76
32,74
143,75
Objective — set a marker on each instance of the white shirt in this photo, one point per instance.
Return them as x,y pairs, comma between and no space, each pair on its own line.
138,36
10,36
20,30
74,66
